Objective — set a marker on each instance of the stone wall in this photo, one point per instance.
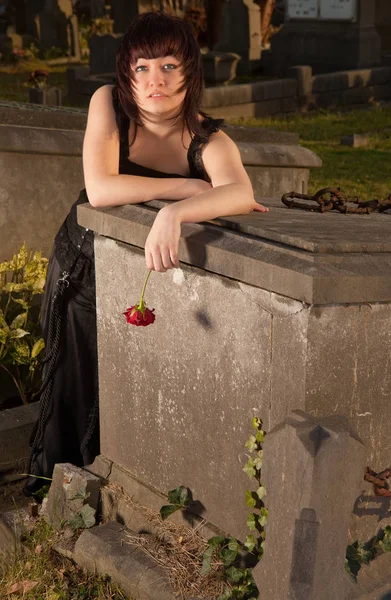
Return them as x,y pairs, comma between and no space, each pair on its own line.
356,87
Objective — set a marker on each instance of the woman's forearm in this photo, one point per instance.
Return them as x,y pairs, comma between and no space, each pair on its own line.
222,201
116,190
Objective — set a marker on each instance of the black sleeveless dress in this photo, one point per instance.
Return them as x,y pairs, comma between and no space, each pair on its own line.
67,429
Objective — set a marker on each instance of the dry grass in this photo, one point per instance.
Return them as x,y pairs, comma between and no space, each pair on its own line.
178,549
37,572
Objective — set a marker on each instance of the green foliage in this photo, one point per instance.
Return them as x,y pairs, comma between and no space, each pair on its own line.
224,554
179,498
257,519
84,519
359,553
22,279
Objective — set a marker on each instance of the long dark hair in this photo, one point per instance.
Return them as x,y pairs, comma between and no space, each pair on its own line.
153,35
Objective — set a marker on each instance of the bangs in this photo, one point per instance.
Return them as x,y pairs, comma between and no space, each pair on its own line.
158,38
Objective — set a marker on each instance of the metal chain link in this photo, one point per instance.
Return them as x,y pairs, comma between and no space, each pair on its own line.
332,198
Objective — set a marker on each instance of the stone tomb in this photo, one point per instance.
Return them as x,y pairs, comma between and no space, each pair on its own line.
268,313
328,35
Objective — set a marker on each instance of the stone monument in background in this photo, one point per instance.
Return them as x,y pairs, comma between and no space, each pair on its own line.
328,35
241,33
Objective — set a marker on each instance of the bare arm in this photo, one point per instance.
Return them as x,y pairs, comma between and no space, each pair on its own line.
232,194
104,185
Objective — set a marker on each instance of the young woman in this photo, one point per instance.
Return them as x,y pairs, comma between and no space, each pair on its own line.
146,139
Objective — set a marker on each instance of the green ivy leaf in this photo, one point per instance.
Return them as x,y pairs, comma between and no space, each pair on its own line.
249,468
19,321
87,513
168,510
256,422
261,492
181,496
234,574
76,522
230,552
260,437
251,443
250,543
252,521
250,500
258,463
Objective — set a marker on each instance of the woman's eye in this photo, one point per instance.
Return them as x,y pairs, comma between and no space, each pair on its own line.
170,66
140,68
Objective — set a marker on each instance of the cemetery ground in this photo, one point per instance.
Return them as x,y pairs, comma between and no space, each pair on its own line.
36,572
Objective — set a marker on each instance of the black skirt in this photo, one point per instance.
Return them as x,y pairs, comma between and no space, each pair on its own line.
68,425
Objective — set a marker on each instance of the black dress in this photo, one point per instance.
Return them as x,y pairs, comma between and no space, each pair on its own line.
67,429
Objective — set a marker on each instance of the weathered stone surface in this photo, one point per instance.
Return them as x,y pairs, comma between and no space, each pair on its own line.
13,525
331,269
374,580
124,502
107,550
305,462
16,425
72,488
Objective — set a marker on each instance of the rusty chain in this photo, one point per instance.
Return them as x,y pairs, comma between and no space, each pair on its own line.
332,198
379,481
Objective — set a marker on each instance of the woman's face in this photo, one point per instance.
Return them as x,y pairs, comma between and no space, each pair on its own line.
156,84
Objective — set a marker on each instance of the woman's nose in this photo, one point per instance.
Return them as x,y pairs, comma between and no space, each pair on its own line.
156,77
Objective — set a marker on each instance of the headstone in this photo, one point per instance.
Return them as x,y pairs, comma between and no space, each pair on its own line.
57,26
383,24
328,35
123,13
312,473
241,33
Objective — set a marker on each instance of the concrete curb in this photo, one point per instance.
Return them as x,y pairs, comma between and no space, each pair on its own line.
104,550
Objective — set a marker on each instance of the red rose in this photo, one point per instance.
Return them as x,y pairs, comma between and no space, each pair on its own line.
139,316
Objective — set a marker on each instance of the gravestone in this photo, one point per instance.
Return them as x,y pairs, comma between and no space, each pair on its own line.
123,13
328,35
241,33
313,469
383,24
57,26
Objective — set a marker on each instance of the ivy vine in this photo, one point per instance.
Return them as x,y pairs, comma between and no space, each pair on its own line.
227,550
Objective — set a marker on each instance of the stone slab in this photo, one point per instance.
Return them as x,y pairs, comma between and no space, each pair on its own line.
106,551
37,140
16,425
265,251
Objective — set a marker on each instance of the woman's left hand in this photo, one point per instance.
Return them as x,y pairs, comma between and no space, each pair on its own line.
260,208
161,247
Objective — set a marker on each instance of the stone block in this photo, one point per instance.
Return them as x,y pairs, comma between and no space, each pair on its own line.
303,76
72,488
219,67
103,50
305,461
13,524
356,140
106,550
16,425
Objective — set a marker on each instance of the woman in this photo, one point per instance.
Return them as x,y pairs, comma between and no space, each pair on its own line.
146,139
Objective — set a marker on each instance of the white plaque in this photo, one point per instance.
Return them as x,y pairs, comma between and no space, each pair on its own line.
302,9
338,10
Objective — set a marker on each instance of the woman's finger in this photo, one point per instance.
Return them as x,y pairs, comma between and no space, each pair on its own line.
260,208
